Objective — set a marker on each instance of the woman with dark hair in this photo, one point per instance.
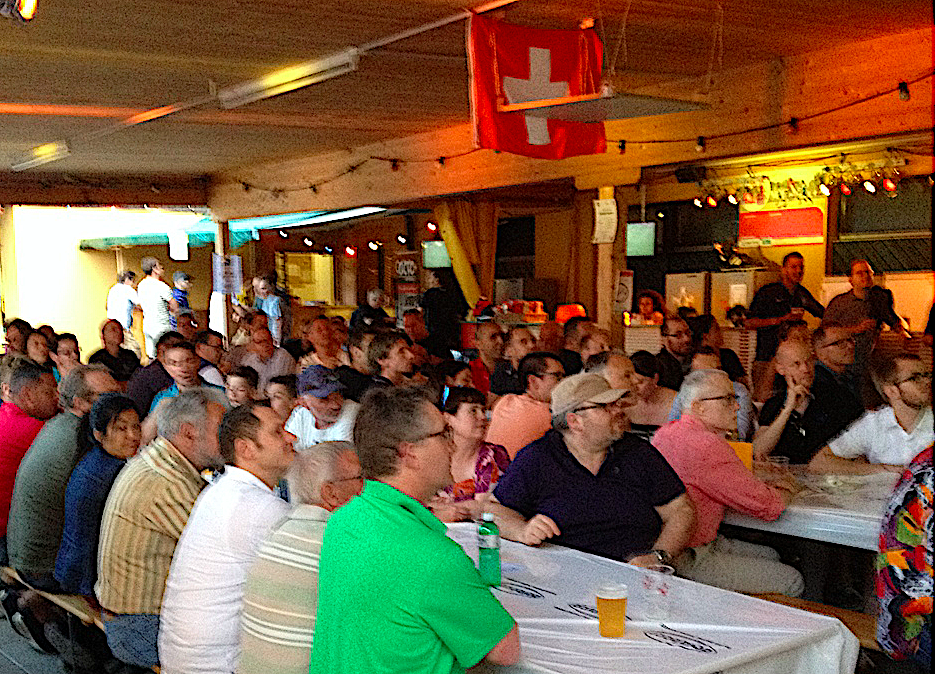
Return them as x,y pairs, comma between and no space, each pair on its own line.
476,464
648,308
37,349
115,426
707,332
652,402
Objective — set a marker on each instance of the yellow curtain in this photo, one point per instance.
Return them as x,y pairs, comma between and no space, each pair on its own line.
580,274
469,230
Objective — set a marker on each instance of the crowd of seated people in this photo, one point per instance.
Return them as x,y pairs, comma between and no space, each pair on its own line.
212,501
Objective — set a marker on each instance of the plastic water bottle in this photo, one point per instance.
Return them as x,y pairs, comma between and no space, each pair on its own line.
489,564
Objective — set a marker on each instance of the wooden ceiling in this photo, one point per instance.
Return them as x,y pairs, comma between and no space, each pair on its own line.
79,67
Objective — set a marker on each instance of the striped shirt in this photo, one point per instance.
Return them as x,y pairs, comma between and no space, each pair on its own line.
146,510
280,597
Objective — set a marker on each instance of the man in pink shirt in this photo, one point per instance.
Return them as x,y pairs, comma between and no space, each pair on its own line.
518,420
33,400
715,479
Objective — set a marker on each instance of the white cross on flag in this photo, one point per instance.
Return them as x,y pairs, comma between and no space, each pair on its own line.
514,64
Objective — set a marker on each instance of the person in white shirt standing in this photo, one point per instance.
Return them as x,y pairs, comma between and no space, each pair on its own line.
323,414
121,299
200,617
888,438
155,297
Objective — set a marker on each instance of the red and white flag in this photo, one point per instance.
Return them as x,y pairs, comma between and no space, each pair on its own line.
513,64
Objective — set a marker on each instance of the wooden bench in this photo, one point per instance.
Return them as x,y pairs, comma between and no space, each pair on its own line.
862,625
73,604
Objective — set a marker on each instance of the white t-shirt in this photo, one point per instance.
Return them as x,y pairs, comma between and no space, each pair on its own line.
154,296
120,300
199,624
877,436
301,423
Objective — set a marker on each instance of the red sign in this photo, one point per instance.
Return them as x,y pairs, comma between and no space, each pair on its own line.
513,64
786,224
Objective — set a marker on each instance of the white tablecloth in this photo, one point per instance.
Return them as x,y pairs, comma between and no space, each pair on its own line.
837,509
550,592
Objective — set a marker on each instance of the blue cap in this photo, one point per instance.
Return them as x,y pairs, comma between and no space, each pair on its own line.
318,381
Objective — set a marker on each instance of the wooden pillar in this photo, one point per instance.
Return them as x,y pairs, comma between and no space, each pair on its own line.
222,246
604,278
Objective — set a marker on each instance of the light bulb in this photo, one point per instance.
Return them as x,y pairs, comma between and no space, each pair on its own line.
372,245
733,200
824,189
711,201
350,251
697,202
870,187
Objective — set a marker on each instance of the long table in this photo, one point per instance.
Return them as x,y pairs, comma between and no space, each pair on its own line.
844,510
550,592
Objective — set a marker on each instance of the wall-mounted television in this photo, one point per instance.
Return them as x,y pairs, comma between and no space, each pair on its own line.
641,239
435,255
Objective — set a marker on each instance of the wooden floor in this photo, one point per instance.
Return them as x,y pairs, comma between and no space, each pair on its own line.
18,657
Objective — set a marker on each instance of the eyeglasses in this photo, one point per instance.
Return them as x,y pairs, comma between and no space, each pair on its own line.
620,402
445,434
728,398
557,375
917,377
840,342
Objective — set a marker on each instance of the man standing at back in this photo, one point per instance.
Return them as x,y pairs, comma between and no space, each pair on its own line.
200,618
157,303
417,601
146,509
783,300
121,299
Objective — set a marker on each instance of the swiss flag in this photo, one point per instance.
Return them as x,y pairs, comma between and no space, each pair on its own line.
514,64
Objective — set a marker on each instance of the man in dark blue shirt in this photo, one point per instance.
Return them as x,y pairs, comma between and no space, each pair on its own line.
585,486
774,303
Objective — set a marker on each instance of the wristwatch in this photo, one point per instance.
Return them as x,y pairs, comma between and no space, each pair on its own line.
663,557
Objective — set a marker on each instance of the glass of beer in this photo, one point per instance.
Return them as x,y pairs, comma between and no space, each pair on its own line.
612,604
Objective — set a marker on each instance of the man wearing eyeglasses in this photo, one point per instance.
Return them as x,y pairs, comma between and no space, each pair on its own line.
589,485
886,439
518,420
820,399
715,479
675,358
395,593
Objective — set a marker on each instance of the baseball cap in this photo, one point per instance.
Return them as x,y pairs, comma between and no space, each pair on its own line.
579,389
181,276
318,381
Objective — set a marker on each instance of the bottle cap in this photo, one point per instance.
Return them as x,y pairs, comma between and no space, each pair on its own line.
487,517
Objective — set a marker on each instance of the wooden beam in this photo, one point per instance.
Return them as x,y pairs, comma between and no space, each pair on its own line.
760,95
58,189
604,279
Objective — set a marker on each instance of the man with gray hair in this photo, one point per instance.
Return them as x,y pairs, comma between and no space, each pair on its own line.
36,511
386,542
281,591
147,507
715,479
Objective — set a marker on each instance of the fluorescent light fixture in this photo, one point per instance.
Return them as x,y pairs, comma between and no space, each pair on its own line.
42,154
290,79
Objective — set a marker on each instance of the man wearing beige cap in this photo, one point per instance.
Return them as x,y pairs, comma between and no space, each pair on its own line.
589,485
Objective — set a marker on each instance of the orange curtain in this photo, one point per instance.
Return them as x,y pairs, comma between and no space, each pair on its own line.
469,229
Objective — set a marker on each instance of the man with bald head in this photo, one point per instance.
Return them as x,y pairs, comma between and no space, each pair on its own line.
266,358
614,366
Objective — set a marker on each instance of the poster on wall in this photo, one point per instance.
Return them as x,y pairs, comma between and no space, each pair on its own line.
766,228
624,292
226,274
405,284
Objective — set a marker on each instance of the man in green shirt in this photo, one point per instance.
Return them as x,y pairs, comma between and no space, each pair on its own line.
395,594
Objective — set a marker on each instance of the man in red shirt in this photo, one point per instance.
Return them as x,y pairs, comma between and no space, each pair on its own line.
715,479
33,400
490,342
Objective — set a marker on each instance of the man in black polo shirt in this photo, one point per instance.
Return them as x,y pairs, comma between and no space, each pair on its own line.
773,304
585,486
820,399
